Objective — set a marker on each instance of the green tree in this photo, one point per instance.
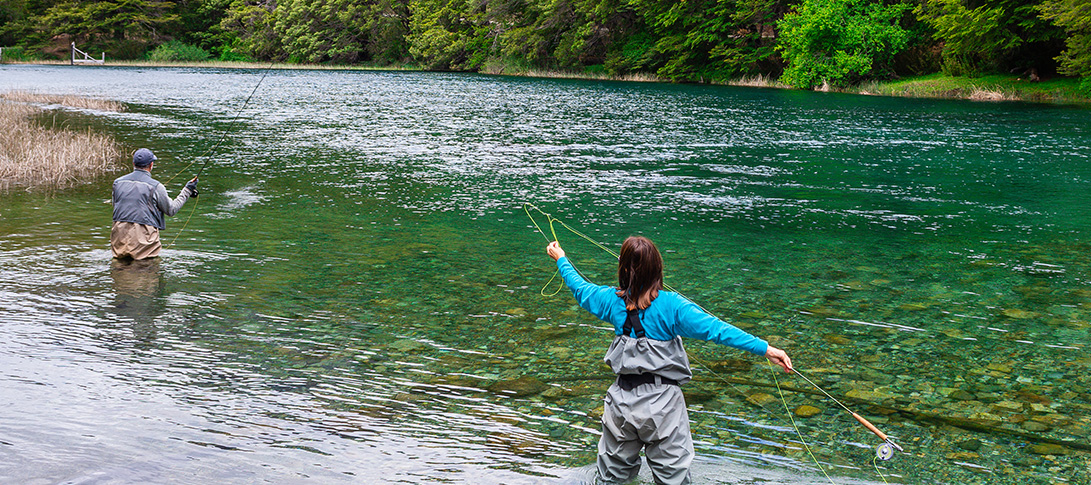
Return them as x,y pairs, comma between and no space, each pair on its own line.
1075,17
322,30
145,20
13,21
450,34
251,24
710,39
387,27
839,42
989,35
200,25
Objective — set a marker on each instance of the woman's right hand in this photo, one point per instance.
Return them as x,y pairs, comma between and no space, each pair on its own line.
554,250
779,357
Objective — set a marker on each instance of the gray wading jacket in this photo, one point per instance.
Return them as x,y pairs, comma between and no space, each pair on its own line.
141,199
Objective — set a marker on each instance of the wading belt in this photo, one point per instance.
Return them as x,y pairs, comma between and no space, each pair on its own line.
629,381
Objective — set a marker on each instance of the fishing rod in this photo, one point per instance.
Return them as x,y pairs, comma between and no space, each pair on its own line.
884,451
212,150
223,135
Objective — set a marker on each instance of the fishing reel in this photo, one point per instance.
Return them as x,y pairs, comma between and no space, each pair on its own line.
885,451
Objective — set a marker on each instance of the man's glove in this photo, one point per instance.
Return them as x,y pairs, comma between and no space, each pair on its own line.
192,186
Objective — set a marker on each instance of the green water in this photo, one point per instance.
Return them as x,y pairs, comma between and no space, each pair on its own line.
358,287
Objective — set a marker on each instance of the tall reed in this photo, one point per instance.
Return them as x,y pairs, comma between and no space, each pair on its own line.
39,157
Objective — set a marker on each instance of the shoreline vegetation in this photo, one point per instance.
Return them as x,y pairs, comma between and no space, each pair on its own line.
38,157
1057,90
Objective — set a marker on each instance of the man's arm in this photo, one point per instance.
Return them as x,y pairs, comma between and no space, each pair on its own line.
166,205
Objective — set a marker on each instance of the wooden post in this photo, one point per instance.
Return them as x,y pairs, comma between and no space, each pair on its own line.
73,60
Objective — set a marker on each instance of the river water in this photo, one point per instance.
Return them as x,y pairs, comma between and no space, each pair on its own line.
359,296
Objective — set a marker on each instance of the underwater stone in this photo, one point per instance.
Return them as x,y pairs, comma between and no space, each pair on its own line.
760,399
871,396
1018,314
523,386
961,395
1035,426
1047,449
969,445
1000,368
806,411
837,339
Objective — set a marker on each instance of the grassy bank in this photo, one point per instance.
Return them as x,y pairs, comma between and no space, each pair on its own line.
37,157
981,88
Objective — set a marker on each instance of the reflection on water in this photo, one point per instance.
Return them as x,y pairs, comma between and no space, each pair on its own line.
357,294
138,294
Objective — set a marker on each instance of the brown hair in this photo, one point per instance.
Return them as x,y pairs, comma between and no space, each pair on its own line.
639,272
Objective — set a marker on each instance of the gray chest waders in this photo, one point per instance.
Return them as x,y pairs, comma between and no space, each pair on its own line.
630,381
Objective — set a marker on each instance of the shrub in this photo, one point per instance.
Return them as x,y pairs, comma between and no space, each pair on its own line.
227,54
15,54
839,42
178,52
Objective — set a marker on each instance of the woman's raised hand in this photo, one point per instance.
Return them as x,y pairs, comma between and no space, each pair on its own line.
554,250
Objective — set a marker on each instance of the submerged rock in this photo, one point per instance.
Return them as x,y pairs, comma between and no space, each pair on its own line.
1018,314
521,387
760,399
1035,426
961,395
837,339
1047,449
806,411
969,445
1000,368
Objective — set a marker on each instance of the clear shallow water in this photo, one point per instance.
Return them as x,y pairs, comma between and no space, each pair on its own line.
358,284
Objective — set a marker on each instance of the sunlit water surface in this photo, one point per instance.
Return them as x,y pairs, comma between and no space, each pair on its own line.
357,295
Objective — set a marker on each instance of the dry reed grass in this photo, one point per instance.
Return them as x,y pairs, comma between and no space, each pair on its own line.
63,100
36,157
979,94
757,81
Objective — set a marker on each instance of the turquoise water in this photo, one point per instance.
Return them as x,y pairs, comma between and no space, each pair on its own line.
357,294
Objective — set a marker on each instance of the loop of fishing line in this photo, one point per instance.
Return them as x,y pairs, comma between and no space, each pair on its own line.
884,452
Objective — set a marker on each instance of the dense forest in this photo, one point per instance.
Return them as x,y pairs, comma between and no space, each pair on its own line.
805,43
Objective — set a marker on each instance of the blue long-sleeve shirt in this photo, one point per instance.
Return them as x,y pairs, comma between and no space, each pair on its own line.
668,316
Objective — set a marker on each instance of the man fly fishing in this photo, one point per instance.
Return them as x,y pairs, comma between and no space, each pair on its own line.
644,407
140,204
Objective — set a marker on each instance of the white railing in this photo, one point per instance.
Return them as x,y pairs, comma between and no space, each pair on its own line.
87,59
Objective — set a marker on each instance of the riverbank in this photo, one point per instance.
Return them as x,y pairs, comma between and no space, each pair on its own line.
983,88
1056,90
39,157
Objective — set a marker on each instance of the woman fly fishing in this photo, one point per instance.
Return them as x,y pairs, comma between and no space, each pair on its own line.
644,407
